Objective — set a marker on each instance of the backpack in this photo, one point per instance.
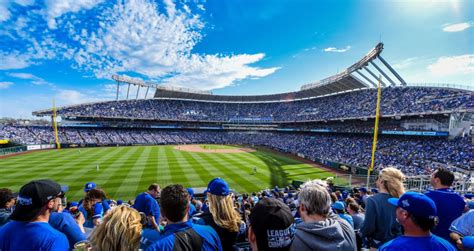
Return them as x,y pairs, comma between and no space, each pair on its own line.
187,240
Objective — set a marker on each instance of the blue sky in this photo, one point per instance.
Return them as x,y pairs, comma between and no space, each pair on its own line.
68,49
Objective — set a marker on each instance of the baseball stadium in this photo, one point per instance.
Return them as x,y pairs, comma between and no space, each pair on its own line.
186,125
255,142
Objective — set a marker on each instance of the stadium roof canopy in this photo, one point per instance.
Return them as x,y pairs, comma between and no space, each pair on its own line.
341,82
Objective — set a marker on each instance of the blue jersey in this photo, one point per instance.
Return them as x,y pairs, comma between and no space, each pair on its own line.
64,223
18,235
347,218
148,205
166,242
192,210
98,213
429,243
148,237
450,206
464,225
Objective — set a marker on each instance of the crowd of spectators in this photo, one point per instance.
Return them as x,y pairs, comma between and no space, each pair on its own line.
356,104
412,155
315,216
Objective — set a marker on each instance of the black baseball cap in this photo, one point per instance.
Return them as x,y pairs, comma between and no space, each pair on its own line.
33,196
273,224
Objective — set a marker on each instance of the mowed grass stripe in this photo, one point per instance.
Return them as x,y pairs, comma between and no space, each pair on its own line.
249,162
47,156
35,156
149,174
67,168
112,168
163,171
242,168
176,168
203,176
77,180
16,183
210,168
50,171
55,158
233,177
119,170
189,170
131,182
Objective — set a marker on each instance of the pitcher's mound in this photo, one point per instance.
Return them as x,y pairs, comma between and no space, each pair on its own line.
199,149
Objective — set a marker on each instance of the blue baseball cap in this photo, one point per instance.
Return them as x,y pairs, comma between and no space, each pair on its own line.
89,186
74,204
218,186
191,192
374,190
417,204
339,205
344,194
363,189
119,202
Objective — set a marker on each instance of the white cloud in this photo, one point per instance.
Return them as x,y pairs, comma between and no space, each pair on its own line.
10,61
137,38
72,97
446,66
4,12
34,79
57,8
211,72
25,2
130,36
170,7
6,4
334,49
456,27
5,85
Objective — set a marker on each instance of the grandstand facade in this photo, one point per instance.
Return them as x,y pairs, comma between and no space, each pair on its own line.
329,122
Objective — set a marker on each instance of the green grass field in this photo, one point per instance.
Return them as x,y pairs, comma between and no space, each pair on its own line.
126,171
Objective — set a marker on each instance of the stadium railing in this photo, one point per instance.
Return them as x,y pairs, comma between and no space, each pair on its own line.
419,183
12,150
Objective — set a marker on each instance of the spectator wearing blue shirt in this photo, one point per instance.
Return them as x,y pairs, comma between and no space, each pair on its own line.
353,209
338,208
92,207
91,185
462,227
65,223
181,233
7,201
147,204
192,208
416,212
29,228
450,205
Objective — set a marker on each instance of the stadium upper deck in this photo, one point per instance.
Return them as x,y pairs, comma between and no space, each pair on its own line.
341,82
342,96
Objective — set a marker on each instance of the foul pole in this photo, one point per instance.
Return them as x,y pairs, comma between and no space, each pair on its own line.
376,131
55,127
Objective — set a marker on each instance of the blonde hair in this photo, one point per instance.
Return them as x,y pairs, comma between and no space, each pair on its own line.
392,180
223,212
121,230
